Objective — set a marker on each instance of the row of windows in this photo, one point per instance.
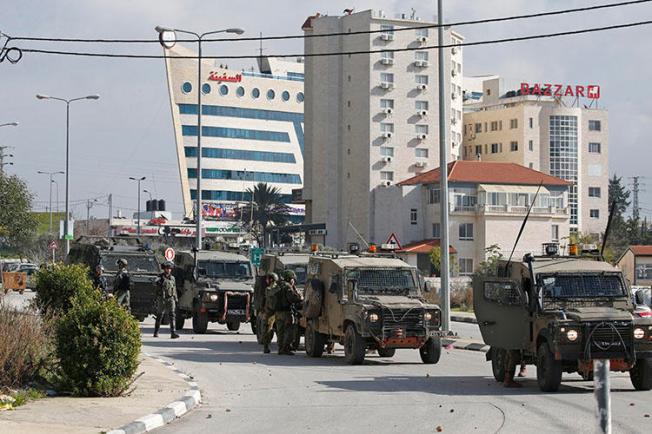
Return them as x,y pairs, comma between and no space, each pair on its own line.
495,148
386,127
388,77
244,175
563,156
239,154
388,151
467,228
224,89
235,196
418,55
239,112
236,133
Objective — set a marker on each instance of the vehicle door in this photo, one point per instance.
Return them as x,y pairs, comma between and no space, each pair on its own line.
501,310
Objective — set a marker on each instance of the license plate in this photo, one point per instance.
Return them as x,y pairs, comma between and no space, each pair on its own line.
236,312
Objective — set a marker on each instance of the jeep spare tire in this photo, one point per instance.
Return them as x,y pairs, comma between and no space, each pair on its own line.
314,299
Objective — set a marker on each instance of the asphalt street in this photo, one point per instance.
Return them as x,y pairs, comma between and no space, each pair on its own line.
246,391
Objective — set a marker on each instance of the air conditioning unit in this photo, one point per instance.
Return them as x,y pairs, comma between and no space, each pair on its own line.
387,135
387,61
422,86
422,113
453,72
422,39
422,136
386,183
388,110
387,36
387,85
421,63
454,95
420,164
387,159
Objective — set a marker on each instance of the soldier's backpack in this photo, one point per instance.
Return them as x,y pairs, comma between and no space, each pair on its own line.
313,299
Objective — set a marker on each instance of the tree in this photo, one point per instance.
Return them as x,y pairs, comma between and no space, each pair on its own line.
435,260
489,267
268,209
622,232
17,224
619,194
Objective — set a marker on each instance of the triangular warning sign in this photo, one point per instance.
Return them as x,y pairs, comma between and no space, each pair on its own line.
393,239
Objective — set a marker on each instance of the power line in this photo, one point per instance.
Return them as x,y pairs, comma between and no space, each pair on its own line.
344,53
360,32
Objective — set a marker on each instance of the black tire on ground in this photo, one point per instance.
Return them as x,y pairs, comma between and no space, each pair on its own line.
354,346
498,359
386,352
233,325
430,352
548,369
179,320
641,374
199,322
314,341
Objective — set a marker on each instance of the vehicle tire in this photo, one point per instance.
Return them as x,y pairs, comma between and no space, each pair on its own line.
386,352
548,369
354,346
199,322
233,325
430,352
498,358
314,341
179,321
641,374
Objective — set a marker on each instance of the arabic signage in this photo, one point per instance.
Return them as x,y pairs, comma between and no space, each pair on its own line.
223,77
226,228
590,91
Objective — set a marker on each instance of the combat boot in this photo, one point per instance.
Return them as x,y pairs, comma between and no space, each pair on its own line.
173,335
266,349
156,328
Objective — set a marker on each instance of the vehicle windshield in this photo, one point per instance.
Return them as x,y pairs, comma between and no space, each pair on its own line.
582,285
135,264
397,281
301,271
218,269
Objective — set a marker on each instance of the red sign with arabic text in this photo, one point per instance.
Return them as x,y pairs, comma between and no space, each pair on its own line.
590,91
221,77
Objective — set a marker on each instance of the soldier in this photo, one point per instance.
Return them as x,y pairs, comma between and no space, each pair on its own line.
259,299
512,359
268,311
99,281
285,324
122,284
166,299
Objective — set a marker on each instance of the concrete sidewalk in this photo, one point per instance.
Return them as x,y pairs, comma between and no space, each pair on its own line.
463,317
156,388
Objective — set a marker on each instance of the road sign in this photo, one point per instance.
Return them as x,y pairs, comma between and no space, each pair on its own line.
52,245
169,254
393,239
256,256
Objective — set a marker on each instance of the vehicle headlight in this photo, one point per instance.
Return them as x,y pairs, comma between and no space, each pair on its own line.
373,317
639,333
210,297
572,335
427,316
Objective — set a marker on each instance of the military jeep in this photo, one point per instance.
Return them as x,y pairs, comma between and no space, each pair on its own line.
143,267
218,289
561,314
368,302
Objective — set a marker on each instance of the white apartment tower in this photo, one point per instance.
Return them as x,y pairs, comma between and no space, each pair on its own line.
372,119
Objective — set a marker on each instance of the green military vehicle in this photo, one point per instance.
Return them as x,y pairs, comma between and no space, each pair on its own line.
368,302
560,314
219,289
143,267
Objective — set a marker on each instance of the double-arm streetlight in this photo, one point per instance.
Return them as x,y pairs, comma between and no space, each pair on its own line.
51,175
139,181
167,37
67,101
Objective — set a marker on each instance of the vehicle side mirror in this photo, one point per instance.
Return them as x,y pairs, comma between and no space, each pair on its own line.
428,286
335,286
351,288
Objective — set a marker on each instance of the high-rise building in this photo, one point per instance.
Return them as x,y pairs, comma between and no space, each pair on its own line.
556,134
252,130
372,119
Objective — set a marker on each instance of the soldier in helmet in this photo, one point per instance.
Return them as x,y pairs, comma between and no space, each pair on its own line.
99,281
166,299
268,311
285,322
122,284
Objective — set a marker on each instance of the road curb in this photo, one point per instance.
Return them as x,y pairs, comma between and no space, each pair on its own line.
470,319
469,346
170,412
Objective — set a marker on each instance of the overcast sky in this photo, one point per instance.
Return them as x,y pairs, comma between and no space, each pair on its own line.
128,132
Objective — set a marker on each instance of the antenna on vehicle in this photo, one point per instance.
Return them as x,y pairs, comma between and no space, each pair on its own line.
520,232
606,231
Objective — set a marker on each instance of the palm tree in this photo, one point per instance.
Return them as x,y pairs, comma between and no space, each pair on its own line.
268,209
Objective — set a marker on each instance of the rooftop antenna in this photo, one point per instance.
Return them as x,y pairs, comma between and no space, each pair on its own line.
260,49
520,232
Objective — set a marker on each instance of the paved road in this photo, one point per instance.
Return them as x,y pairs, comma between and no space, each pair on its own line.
16,300
245,391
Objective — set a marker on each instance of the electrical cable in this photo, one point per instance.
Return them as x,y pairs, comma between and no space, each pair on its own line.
286,37
344,53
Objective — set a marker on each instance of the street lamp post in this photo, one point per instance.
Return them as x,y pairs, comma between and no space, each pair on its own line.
139,181
51,175
149,193
167,38
67,101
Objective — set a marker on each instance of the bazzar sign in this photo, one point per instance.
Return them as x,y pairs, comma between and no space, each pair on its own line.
591,91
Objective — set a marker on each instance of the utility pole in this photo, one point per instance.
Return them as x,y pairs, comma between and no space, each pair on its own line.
51,175
110,213
142,178
89,205
636,209
2,158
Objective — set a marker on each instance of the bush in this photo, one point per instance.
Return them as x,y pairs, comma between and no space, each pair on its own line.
56,285
98,344
26,346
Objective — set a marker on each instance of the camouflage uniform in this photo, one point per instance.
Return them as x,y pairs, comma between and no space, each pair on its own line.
165,302
121,287
268,314
286,326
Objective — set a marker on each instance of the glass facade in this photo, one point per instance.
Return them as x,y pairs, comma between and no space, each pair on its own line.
239,154
564,157
243,175
235,196
236,133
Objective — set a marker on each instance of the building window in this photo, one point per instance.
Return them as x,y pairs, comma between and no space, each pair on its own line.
236,133
421,55
421,129
243,175
564,157
387,55
386,151
513,123
513,146
531,165
595,126
594,191
466,231
386,128
421,79
478,150
300,97
285,95
554,236
466,266
422,32
530,145
386,103
421,153
271,94
239,154
494,126
594,147
240,91
387,77
224,89
594,213
421,105
531,120
387,176
494,148
255,93
186,87
413,216
434,195
205,88
387,29
436,231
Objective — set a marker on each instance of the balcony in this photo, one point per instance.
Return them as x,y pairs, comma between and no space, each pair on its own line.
505,210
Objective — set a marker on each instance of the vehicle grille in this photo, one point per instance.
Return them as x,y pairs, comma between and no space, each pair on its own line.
613,338
237,301
409,320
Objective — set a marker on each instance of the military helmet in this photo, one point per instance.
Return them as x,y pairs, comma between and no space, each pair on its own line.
274,276
167,264
289,275
122,262
99,267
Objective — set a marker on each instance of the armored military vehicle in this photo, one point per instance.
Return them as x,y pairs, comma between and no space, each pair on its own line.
368,302
218,289
143,266
560,314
